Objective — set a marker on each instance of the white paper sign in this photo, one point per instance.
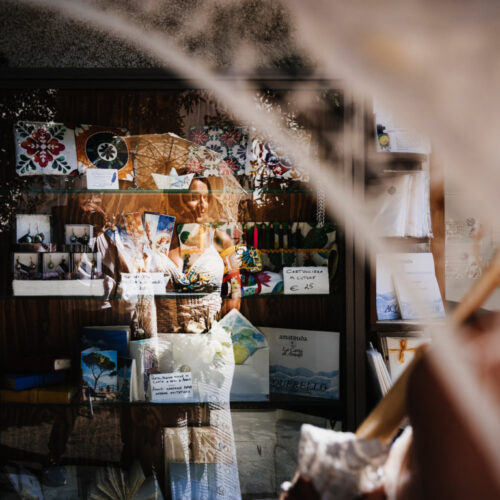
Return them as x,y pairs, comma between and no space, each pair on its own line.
102,178
306,280
171,386
143,284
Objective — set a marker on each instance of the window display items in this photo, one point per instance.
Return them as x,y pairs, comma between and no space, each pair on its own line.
194,260
304,362
159,230
173,180
267,159
22,381
78,234
86,266
208,358
118,484
399,352
26,266
209,481
251,358
263,282
33,229
276,242
205,267
57,394
160,153
231,143
99,373
401,205
114,337
56,265
145,354
44,149
407,280
104,147
394,137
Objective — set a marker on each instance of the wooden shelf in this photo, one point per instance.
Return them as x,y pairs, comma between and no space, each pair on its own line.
398,325
388,157
50,191
406,239
168,296
331,408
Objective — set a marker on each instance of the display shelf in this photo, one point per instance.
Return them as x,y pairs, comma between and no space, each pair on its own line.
285,401
173,295
105,404
44,324
276,401
388,157
406,239
397,325
334,409
58,288
285,190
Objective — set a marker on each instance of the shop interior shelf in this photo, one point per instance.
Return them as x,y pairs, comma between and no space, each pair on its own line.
42,190
276,401
389,157
405,325
173,295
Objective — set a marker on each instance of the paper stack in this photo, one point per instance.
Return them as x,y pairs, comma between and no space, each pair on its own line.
401,205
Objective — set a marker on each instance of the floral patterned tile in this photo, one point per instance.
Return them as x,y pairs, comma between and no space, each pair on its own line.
267,159
231,143
45,149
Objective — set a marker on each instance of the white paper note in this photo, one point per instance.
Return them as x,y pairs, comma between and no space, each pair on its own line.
102,178
167,387
143,284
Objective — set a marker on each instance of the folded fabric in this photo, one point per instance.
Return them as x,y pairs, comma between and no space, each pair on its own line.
239,257
204,481
45,149
211,445
266,158
340,465
261,282
176,442
104,147
231,143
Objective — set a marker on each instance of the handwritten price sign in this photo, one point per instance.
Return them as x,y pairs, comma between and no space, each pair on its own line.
133,284
306,280
167,387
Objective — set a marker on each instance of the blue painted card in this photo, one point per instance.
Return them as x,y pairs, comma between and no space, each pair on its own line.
107,338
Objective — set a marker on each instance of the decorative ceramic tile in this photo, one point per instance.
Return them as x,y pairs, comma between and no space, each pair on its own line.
45,149
104,147
268,159
231,143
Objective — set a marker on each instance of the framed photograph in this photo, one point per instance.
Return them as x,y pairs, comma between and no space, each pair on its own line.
78,234
56,265
26,266
33,229
86,265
